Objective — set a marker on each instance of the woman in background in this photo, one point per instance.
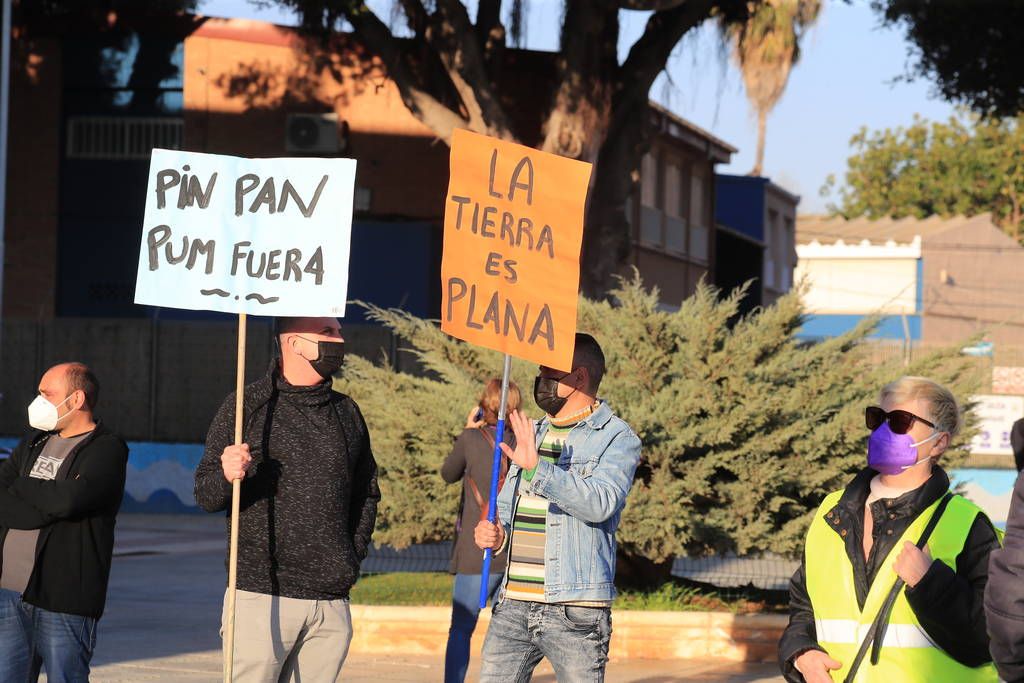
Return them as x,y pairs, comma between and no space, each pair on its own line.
472,461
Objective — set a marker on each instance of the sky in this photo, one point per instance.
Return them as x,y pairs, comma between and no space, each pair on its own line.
847,78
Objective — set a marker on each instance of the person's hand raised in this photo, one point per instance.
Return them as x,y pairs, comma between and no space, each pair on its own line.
525,454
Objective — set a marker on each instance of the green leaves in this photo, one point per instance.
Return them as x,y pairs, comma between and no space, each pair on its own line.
965,166
744,428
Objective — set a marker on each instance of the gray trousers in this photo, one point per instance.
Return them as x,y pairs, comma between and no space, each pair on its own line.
279,640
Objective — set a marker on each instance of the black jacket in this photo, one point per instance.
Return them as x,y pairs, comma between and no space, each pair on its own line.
947,603
1017,443
1004,596
309,504
75,516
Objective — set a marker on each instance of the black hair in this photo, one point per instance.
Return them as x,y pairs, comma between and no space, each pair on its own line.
81,378
588,354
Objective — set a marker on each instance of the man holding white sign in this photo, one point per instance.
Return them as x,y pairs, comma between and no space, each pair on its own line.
260,236
309,503
271,237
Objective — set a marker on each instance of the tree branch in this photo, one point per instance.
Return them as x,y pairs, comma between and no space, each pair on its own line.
376,36
587,66
453,35
649,54
417,15
490,33
606,242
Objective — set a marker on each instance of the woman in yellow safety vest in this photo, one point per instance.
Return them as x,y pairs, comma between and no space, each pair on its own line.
865,538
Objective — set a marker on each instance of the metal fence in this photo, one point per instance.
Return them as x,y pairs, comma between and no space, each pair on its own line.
1002,355
160,380
727,573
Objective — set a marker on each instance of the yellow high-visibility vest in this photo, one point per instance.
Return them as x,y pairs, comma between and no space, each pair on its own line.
908,653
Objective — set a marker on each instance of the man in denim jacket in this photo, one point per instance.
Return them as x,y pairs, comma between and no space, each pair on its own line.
558,511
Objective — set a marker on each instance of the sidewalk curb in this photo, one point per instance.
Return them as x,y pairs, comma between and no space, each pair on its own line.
383,630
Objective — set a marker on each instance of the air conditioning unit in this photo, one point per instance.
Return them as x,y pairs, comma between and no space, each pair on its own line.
313,133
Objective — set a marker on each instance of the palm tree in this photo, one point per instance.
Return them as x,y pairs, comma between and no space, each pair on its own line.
766,46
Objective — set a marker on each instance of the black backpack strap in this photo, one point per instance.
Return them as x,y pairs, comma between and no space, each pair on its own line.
876,634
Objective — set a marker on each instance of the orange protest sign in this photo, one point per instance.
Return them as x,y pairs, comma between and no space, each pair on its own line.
513,228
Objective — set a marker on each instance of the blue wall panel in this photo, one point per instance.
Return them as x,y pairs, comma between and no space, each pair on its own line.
833,325
739,204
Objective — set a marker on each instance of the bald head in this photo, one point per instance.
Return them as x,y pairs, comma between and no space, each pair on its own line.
299,344
63,380
311,326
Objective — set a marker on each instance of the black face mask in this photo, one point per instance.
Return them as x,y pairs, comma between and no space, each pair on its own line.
330,357
545,393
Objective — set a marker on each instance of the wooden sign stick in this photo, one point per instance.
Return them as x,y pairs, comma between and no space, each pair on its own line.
236,496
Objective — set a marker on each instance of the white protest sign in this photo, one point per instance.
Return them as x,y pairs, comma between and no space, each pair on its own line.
259,236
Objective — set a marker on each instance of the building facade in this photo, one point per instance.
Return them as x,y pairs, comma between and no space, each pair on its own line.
755,221
88,108
672,211
936,280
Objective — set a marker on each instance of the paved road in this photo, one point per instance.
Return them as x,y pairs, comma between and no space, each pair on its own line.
163,614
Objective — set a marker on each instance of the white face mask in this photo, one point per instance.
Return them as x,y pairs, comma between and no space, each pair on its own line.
927,457
43,415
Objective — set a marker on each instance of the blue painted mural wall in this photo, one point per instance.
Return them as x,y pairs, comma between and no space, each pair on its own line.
159,477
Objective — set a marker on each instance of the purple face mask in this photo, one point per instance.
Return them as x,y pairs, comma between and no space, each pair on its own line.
890,453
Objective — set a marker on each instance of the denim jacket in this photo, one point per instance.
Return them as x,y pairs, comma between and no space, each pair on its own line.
586,491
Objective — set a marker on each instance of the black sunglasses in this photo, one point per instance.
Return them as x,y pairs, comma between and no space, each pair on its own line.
900,421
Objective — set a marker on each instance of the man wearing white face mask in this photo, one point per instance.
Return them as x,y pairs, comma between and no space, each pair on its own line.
59,494
895,566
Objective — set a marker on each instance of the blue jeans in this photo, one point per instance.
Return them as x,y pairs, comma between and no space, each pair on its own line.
32,638
574,639
465,610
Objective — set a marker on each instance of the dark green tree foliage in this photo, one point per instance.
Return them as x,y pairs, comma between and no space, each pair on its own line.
964,166
969,48
744,428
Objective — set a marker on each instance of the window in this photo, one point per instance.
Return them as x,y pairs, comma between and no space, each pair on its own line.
675,222
134,73
699,230
650,211
699,242
788,239
697,202
649,181
771,251
673,189
778,249
121,137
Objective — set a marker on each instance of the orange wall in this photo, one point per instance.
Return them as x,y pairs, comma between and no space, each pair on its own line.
238,94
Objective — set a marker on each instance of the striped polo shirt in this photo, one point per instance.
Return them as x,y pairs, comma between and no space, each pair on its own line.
526,556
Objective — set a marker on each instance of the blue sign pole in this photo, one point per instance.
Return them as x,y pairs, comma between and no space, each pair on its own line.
492,508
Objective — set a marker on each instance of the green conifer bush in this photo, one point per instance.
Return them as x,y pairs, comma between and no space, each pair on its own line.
744,427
